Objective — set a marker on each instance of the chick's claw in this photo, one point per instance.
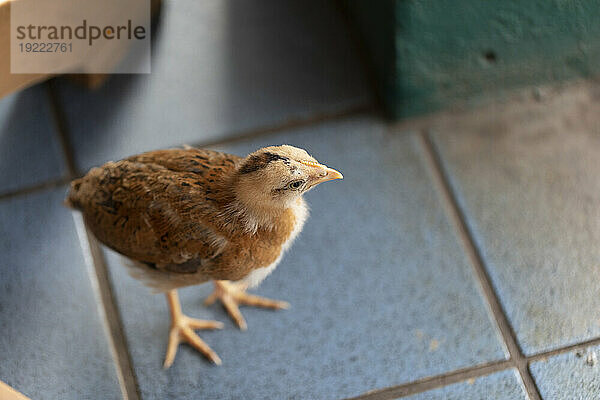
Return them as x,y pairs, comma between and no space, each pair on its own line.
233,295
182,330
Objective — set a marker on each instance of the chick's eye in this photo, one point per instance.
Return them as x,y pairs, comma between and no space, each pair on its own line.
295,184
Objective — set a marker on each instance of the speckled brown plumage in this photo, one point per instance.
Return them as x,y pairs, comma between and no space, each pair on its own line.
186,216
168,208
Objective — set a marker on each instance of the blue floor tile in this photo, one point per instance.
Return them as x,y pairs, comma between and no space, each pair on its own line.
381,291
220,68
505,385
527,180
29,149
569,376
52,343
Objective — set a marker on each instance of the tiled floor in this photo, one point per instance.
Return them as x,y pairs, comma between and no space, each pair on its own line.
456,259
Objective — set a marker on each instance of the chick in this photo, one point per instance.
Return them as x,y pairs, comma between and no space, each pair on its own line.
189,216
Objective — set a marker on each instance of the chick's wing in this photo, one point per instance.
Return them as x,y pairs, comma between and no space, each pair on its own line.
159,207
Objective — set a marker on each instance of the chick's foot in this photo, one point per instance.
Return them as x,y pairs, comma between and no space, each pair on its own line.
232,295
182,330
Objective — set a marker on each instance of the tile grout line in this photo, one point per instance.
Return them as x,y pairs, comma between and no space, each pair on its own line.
466,235
562,350
130,388
106,305
290,124
50,184
98,272
435,382
60,122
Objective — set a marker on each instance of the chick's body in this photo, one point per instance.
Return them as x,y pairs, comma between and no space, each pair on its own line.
187,216
174,212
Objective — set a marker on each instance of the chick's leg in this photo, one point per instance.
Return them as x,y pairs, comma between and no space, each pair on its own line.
182,329
234,294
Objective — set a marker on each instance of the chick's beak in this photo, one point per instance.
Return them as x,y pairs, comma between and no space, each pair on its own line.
327,174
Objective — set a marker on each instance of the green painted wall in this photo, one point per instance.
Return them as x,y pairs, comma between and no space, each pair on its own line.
430,54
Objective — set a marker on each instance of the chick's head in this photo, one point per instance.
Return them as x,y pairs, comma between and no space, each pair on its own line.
276,176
